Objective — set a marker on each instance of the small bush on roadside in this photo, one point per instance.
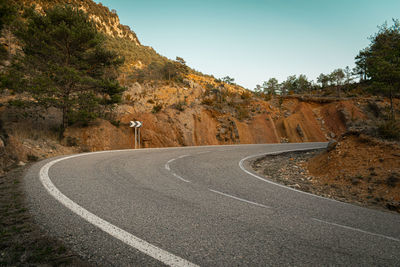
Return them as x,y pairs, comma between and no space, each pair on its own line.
392,180
71,141
116,123
32,157
389,130
85,148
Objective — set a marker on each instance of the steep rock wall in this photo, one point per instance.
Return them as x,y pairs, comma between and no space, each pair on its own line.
303,122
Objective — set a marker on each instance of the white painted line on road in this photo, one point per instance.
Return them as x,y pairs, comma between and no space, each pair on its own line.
240,199
356,229
167,164
177,176
129,239
281,185
174,174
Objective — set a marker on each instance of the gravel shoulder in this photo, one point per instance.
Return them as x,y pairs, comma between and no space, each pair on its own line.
22,241
291,170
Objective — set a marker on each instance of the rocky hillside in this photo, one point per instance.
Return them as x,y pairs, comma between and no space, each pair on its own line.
194,110
105,20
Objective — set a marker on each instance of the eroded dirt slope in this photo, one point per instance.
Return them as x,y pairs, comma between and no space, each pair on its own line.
366,168
293,121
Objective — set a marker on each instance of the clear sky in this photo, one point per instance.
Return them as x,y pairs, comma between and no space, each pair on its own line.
254,40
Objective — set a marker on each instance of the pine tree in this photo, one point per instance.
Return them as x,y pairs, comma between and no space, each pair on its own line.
65,65
381,61
7,15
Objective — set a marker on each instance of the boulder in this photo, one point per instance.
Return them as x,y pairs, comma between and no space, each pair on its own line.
332,145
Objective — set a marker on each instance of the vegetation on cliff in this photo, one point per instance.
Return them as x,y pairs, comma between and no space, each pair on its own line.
63,64
68,60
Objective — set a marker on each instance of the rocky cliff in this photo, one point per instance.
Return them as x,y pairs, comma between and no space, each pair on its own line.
197,110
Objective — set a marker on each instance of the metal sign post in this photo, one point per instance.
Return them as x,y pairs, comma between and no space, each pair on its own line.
136,125
135,137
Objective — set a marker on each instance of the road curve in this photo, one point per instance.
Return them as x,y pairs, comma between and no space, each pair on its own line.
200,206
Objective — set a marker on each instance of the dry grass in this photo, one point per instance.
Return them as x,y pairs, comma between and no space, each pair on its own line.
33,131
22,243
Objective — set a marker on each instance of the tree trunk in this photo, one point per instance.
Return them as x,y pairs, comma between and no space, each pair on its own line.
65,100
64,123
391,104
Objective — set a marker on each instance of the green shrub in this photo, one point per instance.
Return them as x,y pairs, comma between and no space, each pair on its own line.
267,97
116,123
246,95
32,157
373,107
156,108
179,106
242,113
389,130
71,141
392,180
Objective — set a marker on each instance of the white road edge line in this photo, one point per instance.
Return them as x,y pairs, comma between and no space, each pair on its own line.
174,174
281,185
129,239
356,229
240,199
203,152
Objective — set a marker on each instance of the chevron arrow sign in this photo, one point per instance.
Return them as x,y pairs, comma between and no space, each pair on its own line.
136,124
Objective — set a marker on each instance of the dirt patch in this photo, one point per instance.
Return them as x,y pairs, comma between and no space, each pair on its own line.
366,168
377,186
287,169
22,242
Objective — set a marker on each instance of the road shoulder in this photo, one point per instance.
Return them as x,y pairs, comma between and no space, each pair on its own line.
22,241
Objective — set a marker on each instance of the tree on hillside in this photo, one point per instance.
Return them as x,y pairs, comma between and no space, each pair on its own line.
65,65
303,85
337,77
180,60
170,71
258,89
324,80
289,85
296,85
181,66
175,70
7,15
271,86
348,75
361,64
228,80
381,60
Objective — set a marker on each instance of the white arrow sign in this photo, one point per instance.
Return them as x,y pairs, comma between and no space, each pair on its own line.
136,124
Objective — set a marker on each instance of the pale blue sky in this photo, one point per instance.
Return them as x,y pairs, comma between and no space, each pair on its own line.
254,40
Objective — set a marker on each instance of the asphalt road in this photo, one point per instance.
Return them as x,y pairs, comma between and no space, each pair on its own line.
201,206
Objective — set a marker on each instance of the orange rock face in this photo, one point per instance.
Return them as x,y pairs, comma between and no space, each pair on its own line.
293,121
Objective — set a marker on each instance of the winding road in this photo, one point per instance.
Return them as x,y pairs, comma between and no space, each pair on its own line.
200,206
